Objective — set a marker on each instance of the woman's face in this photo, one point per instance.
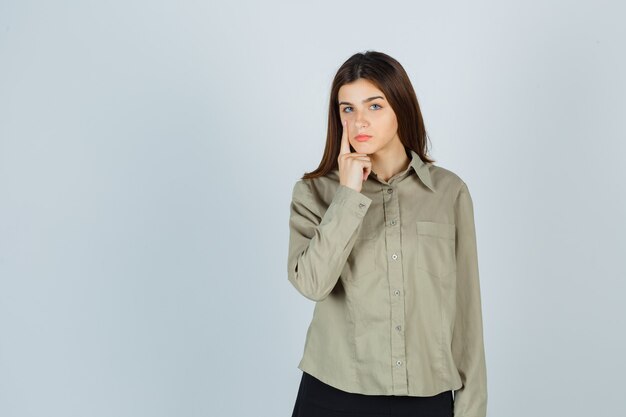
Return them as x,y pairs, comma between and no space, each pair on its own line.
367,112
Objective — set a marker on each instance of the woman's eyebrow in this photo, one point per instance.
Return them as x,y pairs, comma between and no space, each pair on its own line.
364,101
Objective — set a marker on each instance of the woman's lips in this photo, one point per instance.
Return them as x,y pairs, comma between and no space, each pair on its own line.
362,138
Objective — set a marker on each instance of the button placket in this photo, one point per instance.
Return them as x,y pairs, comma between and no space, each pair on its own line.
395,276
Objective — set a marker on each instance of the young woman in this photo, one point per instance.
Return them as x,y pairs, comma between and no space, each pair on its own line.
384,242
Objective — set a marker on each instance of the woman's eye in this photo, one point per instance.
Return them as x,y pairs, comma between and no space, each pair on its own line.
348,107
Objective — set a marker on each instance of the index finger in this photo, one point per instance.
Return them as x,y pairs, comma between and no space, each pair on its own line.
345,144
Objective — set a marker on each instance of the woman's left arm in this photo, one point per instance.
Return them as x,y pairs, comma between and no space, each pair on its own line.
467,339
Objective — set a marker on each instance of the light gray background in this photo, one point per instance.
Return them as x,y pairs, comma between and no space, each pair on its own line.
148,151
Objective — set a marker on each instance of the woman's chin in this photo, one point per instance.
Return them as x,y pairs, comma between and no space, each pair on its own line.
363,148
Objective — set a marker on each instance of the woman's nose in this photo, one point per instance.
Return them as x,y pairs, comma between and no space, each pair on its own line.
360,122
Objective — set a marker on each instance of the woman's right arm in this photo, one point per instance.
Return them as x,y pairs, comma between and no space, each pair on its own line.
319,243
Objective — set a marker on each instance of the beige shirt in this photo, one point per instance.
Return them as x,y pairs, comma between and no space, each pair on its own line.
394,273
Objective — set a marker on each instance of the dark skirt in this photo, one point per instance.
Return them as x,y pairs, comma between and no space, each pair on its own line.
318,399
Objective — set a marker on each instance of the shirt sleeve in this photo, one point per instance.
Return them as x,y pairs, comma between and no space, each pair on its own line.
467,339
320,242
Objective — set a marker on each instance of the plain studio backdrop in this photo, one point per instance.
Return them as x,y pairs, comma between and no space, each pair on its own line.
148,151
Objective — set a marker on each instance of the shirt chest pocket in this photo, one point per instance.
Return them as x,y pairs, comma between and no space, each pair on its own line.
436,248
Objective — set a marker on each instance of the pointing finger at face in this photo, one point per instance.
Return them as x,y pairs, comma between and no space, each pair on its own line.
345,144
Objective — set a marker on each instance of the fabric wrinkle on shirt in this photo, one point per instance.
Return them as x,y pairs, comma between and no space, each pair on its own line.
393,271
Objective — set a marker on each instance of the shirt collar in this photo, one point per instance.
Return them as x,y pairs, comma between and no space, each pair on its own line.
422,170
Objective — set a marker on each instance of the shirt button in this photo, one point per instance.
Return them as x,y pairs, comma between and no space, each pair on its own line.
398,327
398,363
394,256
396,292
361,205
389,191
393,222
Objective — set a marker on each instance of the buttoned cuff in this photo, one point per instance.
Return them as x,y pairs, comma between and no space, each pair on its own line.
353,200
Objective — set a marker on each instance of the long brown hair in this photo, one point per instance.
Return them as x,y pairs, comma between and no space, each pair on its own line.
390,77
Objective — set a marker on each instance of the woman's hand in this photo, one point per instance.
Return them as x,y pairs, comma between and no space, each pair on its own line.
354,168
